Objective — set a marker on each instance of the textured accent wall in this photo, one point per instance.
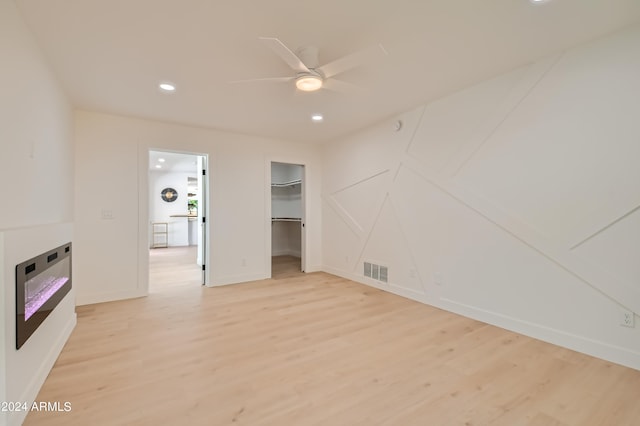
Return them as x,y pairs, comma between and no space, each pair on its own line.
514,201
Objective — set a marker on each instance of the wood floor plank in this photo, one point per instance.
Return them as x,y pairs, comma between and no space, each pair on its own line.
316,349
173,267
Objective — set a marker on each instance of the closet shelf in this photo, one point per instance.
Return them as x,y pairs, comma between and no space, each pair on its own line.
285,184
286,219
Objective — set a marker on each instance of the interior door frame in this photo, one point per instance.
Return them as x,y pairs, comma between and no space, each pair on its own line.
144,227
202,169
304,200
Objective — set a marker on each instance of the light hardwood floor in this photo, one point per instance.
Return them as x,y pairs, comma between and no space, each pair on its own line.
283,267
315,349
173,267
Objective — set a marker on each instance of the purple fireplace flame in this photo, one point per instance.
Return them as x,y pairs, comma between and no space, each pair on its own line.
48,288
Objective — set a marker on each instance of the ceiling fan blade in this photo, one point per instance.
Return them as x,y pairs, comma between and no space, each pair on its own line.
271,79
341,86
353,60
285,54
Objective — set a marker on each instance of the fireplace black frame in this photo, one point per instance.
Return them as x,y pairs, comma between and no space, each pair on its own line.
27,270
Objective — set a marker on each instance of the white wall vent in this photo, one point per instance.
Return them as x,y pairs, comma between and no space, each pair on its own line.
384,272
377,272
367,269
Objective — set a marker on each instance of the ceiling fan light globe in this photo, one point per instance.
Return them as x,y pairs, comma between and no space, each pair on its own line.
308,83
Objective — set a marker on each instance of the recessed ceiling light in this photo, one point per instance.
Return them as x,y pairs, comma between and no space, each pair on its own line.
160,160
317,117
158,166
538,1
167,87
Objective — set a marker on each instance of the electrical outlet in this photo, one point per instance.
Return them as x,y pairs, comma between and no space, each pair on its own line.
107,214
627,318
412,272
244,262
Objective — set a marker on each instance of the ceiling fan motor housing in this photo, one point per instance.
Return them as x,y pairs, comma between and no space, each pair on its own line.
309,56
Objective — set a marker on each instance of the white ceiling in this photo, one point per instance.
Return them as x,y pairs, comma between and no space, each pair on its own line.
173,162
110,55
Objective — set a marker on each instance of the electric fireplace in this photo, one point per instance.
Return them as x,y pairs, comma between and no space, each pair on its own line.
41,283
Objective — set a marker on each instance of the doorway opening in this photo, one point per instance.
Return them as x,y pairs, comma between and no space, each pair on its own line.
177,219
287,219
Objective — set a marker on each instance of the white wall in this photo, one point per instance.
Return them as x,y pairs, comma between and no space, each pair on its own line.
36,154
111,174
36,166
286,239
515,201
3,331
161,211
286,201
285,173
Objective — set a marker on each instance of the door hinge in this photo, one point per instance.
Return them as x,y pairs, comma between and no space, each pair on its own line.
203,267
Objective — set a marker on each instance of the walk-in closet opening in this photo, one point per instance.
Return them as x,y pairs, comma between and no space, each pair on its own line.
177,237
287,219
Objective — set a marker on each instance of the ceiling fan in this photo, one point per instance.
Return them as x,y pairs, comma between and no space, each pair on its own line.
309,75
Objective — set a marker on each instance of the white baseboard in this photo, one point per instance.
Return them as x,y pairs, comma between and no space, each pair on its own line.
91,299
236,279
598,349
293,253
314,268
595,348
